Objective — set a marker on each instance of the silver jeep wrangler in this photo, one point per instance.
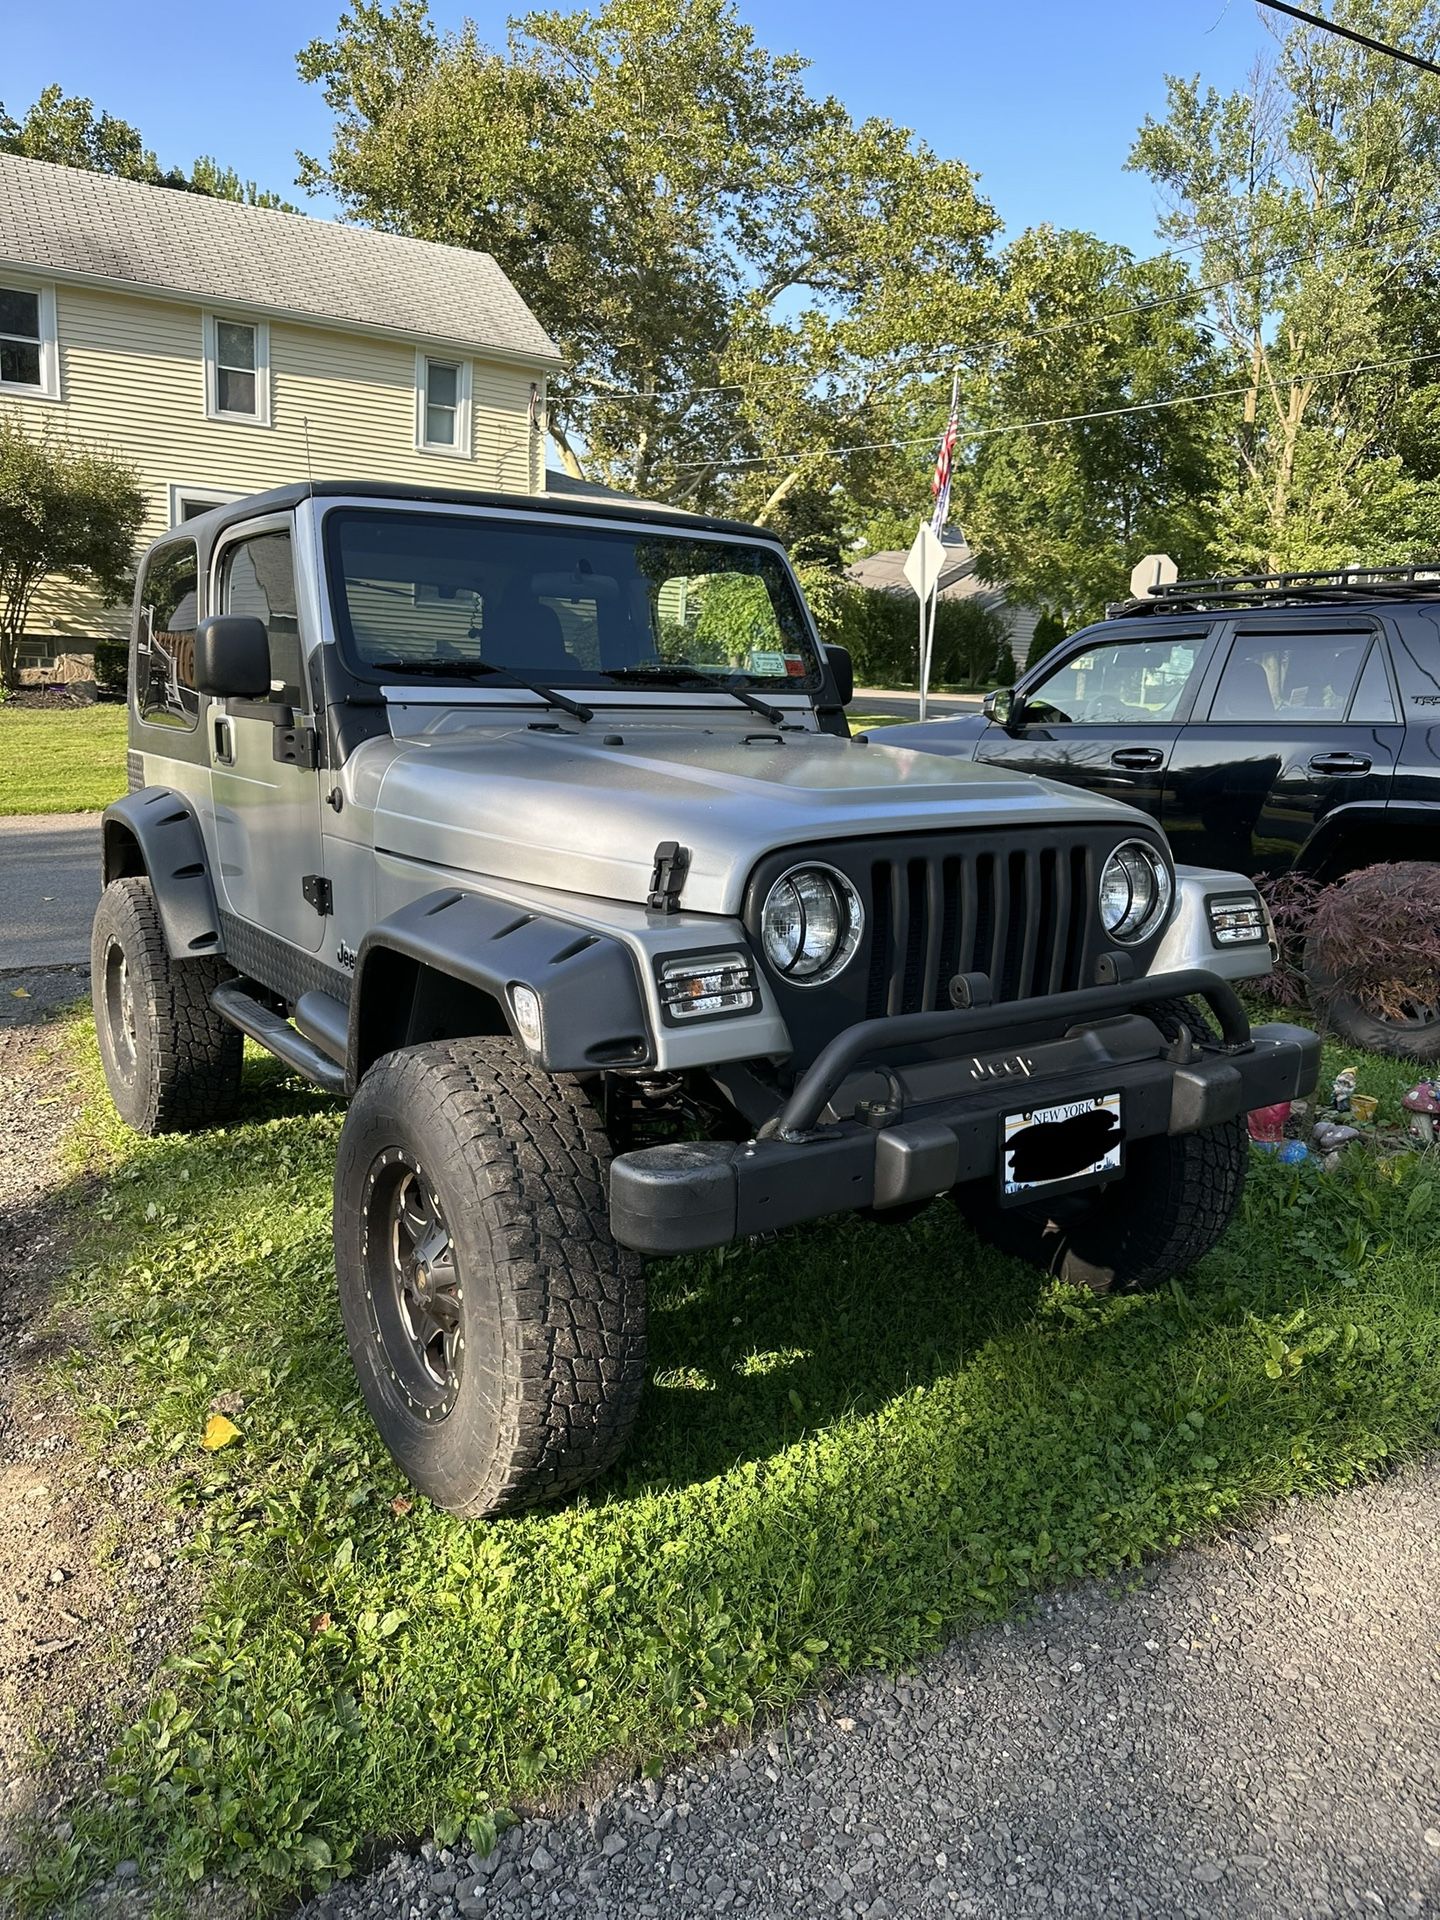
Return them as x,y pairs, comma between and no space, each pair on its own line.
535,828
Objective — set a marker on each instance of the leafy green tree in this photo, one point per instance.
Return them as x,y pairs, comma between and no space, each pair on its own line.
65,130
732,267
1307,201
1059,514
67,510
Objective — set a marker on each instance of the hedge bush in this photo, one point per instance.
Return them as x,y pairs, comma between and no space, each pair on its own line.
112,662
1049,632
881,632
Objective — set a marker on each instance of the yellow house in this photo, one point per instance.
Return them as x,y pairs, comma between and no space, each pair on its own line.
222,349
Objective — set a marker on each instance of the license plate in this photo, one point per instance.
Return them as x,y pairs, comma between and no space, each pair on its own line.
1049,1147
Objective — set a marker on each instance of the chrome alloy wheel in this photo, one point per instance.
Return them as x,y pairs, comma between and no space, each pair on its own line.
413,1285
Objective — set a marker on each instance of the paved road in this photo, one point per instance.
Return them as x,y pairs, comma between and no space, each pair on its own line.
1251,1733
49,883
906,706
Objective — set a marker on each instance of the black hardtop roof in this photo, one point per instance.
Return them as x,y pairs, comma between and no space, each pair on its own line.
205,527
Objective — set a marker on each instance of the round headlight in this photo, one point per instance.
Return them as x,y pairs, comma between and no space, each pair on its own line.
811,924
1135,890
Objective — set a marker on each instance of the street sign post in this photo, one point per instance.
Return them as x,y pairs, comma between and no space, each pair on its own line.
922,570
1155,570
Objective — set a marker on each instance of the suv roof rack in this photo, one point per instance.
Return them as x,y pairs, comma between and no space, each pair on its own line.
1419,581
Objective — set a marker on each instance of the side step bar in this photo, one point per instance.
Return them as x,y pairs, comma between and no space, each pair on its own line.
232,1003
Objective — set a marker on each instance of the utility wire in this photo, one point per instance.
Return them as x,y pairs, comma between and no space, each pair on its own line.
1349,33
1057,420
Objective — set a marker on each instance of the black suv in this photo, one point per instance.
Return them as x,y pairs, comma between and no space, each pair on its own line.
1267,721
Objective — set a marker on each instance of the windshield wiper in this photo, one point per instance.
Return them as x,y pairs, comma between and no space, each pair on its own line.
692,676
502,676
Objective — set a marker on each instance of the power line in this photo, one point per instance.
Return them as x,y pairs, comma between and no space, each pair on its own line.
1057,420
1349,33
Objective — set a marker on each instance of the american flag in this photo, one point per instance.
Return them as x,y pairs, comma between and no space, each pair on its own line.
944,466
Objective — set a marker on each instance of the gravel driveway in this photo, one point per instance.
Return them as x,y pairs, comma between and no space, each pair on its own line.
1253,1729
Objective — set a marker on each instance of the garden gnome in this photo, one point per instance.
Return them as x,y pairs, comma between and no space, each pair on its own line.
1344,1087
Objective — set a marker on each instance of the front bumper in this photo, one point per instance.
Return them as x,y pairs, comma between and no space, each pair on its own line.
904,1108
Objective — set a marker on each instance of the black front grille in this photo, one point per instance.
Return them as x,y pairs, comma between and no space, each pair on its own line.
1022,912
1015,903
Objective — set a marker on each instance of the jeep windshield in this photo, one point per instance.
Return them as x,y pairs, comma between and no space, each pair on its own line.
486,596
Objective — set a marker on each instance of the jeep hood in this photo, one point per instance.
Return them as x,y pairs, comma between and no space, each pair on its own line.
584,811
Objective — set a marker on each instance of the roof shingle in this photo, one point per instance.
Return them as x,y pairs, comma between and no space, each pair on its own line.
66,221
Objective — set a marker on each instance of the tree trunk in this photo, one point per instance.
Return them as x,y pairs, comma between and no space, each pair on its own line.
568,456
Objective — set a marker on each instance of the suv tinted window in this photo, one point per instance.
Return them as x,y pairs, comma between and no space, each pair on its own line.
1135,682
258,576
1374,704
1289,676
165,643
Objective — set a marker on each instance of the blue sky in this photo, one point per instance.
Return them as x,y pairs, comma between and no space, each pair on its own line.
1042,99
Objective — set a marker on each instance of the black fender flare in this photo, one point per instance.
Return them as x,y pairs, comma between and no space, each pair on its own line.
592,1007
154,832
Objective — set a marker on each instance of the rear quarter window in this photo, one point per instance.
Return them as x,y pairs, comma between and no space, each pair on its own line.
169,612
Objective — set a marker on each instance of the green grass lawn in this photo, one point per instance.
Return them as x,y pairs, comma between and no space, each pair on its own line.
867,722
61,759
855,1440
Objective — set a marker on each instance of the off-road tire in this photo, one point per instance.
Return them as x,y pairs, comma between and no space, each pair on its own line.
170,1061
1417,1039
1178,1195
542,1393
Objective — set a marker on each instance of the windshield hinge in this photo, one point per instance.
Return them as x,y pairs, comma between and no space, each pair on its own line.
672,863
318,891
296,747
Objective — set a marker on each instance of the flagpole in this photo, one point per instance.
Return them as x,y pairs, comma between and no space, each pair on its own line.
941,514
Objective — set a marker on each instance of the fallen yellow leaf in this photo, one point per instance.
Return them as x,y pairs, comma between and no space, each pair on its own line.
19,993
219,1432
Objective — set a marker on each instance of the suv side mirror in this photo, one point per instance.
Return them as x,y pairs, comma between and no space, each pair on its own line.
232,656
842,672
1001,708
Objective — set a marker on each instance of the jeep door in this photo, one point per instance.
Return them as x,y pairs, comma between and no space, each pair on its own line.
267,808
1107,715
1297,719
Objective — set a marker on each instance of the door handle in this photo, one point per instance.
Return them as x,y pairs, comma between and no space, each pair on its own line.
1137,759
223,739
1340,763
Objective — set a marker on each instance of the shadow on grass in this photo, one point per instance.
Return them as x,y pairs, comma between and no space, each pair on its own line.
855,1439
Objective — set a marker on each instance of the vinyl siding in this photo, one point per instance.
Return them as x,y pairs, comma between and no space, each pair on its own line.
133,379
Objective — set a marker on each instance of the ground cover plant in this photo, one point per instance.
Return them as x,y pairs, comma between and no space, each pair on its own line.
855,1440
60,759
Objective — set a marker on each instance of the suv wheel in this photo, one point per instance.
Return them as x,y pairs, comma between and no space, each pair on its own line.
497,1330
1178,1195
170,1061
1414,1036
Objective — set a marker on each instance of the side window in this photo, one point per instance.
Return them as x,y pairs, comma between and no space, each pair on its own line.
1374,704
258,576
1289,676
165,649
1130,682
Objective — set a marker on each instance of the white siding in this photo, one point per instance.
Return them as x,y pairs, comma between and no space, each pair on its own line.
133,380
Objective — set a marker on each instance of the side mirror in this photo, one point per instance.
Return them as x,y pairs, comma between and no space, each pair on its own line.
1001,708
842,671
232,656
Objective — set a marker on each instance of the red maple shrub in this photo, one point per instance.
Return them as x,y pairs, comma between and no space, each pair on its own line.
1291,898
1375,938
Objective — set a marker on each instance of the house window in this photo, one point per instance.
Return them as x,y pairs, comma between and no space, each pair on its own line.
29,357
237,369
442,406
186,502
